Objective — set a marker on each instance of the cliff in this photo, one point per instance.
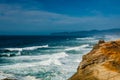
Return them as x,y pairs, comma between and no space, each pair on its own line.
101,63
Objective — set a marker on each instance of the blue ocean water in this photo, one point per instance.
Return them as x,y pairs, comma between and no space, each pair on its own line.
43,57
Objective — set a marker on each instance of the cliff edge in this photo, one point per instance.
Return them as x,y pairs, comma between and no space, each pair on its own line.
101,63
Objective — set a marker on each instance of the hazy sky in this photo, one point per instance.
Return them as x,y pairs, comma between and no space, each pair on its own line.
46,16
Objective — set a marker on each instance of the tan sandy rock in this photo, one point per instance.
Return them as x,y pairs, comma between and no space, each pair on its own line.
101,63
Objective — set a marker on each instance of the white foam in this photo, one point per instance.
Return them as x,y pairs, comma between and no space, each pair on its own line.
59,55
50,61
46,65
4,76
86,38
26,48
30,78
35,47
72,48
40,57
111,37
19,53
55,65
85,45
25,58
4,54
77,48
77,60
54,59
46,60
18,66
14,49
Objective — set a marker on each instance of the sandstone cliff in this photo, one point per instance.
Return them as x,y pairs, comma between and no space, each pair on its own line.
101,63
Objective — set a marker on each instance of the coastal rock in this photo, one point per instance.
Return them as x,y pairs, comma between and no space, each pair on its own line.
101,63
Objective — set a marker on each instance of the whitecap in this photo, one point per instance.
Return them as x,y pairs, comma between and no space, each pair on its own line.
59,55
35,47
13,49
51,61
30,78
41,57
4,76
26,48
78,47
86,38
19,50
54,59
77,60
43,60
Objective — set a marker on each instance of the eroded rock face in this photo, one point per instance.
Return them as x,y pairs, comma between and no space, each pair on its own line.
101,63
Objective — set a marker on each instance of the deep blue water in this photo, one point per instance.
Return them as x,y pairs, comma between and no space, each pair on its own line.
43,57
20,41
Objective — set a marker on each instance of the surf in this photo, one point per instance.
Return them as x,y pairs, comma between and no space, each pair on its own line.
8,52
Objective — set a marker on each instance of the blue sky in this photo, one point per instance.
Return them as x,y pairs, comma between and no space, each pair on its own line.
34,17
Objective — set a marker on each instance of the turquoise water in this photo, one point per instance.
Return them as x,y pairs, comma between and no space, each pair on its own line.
43,57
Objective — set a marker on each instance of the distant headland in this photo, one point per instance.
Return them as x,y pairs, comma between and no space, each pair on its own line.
115,31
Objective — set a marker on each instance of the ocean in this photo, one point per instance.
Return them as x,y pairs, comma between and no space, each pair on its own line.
43,57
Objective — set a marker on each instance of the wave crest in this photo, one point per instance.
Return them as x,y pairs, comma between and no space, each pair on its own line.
8,52
26,48
77,48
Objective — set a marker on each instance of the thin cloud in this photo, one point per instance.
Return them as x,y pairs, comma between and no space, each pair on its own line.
15,14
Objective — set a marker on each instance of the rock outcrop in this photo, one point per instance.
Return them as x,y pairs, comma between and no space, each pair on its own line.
101,63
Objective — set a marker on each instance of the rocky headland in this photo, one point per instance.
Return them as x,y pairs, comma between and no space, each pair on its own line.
101,63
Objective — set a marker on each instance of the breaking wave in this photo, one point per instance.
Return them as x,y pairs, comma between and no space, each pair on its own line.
26,48
12,77
54,59
30,78
86,38
77,48
8,52
111,37
43,60
58,61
